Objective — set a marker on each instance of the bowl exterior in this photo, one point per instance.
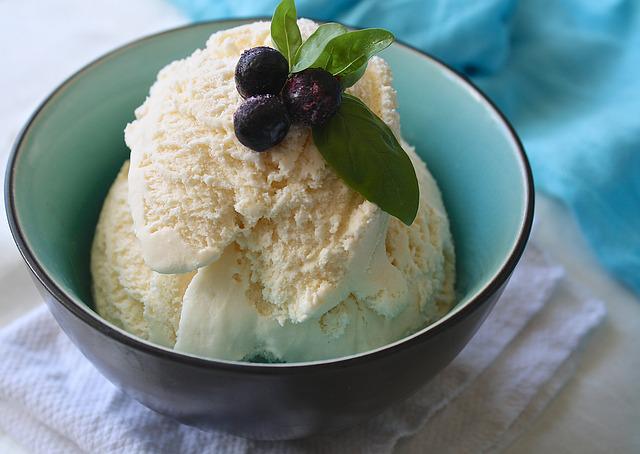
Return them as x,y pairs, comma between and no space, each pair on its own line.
277,403
262,402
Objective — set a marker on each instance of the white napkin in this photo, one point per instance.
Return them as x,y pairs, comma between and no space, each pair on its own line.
53,400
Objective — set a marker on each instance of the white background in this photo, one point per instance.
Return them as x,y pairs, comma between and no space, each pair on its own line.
43,42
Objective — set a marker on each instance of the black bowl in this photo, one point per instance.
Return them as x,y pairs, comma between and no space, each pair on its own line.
69,151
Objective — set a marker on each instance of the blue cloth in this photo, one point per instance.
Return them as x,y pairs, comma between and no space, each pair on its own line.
565,72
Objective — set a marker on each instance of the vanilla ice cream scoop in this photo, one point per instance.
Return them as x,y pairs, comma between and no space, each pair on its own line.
228,253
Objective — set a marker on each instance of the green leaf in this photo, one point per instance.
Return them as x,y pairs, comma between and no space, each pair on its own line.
350,79
311,49
347,53
285,33
367,156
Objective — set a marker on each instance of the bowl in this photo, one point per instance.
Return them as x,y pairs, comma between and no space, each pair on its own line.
69,152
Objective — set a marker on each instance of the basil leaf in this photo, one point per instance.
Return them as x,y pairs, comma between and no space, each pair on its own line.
350,79
366,155
311,49
285,33
346,53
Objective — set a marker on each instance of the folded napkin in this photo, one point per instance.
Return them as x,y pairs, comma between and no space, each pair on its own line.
564,72
53,400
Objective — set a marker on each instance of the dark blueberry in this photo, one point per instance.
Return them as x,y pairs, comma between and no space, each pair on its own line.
261,122
261,71
312,96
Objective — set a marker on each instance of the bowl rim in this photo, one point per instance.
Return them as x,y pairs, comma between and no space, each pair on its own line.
91,318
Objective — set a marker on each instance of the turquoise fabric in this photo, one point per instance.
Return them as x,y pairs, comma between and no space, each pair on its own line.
565,72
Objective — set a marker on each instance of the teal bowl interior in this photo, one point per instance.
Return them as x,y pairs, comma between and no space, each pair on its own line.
71,151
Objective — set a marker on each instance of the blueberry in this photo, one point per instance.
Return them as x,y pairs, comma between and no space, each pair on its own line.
261,122
261,71
312,96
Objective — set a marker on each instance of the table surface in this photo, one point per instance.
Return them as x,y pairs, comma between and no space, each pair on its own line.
597,411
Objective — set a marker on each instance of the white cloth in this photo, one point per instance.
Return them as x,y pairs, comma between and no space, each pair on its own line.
53,400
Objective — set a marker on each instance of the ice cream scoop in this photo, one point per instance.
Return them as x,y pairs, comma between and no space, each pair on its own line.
235,254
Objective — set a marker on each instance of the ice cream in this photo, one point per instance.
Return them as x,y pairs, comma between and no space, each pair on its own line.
208,247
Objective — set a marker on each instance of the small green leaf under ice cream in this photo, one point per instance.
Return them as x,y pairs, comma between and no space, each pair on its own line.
365,153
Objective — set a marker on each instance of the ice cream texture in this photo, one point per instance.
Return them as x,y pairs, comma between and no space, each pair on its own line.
210,248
